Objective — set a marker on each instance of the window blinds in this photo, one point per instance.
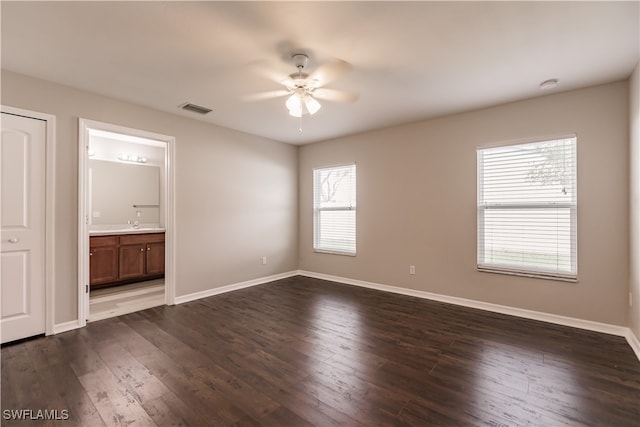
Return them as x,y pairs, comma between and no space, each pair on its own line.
527,208
334,209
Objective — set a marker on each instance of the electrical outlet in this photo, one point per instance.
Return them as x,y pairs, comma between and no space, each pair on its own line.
412,269
264,260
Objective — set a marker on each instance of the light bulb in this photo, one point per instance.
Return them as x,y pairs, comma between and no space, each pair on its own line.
294,104
312,104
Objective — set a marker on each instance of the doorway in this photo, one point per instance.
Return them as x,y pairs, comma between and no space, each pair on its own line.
125,248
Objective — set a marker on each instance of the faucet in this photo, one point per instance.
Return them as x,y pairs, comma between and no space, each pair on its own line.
135,224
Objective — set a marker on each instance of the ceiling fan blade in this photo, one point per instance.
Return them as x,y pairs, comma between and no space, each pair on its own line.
329,72
335,95
265,95
271,71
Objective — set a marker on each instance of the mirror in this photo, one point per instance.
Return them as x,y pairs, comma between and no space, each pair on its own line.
116,187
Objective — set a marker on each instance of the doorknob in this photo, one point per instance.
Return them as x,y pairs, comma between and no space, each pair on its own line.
13,240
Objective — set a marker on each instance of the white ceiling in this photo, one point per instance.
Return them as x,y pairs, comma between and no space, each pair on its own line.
411,60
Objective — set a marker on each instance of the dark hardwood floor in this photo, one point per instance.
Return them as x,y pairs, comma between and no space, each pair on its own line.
302,351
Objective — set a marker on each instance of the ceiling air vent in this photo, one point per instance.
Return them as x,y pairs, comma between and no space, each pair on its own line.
195,108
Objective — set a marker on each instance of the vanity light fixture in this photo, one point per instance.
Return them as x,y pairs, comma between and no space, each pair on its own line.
132,158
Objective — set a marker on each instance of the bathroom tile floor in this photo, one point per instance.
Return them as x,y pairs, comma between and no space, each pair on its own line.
118,300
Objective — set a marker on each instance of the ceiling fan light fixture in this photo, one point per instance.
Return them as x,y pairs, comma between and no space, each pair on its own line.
294,104
303,89
300,105
312,104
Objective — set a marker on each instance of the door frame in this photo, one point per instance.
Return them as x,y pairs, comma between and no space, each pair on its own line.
84,126
49,209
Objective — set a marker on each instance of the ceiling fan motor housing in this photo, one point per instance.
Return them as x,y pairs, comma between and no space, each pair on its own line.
300,60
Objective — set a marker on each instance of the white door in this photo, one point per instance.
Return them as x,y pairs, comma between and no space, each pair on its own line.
22,227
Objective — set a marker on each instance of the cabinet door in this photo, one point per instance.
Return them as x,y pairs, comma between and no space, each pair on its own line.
155,258
103,264
131,259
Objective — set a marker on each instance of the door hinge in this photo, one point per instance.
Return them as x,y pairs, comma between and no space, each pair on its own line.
86,219
86,289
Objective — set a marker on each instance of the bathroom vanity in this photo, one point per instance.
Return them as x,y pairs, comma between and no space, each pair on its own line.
126,240
125,256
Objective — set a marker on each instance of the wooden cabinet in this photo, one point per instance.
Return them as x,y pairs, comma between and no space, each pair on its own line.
141,255
131,261
126,258
103,259
155,258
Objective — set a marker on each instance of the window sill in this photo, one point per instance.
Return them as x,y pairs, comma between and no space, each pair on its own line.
330,252
530,274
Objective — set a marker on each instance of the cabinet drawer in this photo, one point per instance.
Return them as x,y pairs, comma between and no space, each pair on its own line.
131,239
98,241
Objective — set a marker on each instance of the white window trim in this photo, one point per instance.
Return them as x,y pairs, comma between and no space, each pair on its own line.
316,223
529,272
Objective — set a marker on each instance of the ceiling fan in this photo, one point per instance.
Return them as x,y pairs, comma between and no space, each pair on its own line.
305,89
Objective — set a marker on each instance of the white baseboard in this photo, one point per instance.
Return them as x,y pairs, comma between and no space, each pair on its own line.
66,326
233,287
496,308
634,342
621,331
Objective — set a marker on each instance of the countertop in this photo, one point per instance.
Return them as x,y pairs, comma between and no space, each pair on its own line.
129,230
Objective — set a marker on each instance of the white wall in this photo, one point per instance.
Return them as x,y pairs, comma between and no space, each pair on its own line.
634,282
236,194
237,198
417,203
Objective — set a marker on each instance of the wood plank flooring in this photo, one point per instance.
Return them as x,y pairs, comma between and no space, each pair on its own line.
302,352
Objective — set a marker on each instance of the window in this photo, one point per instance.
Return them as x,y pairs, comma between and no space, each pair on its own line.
527,209
334,210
